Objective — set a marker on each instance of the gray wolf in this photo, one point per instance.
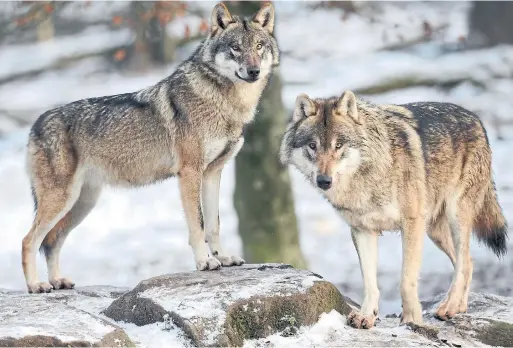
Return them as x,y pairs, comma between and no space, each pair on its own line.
412,167
187,125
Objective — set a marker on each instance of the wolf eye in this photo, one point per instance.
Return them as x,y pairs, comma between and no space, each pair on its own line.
313,146
236,48
259,46
338,146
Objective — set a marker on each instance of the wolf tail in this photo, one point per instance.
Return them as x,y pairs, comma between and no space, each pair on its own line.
490,226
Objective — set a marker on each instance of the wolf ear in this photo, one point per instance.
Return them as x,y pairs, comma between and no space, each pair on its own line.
265,17
221,17
347,106
304,107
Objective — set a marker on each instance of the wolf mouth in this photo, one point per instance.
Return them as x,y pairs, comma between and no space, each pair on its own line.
250,80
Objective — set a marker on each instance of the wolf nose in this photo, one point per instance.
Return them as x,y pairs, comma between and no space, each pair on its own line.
324,181
253,71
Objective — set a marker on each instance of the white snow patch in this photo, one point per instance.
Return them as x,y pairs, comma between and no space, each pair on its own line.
309,281
154,335
28,57
40,317
331,331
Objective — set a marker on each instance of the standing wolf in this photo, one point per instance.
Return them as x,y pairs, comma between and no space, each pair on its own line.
189,125
413,167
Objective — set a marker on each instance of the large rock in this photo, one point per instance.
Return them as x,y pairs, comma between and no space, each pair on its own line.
489,321
223,308
271,305
56,320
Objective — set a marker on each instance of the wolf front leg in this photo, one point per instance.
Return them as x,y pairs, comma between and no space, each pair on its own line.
210,199
366,243
190,190
413,240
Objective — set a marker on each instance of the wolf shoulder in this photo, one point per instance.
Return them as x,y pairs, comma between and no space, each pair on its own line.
436,115
436,121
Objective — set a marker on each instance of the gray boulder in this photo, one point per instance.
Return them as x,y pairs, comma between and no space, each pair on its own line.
488,321
53,320
225,307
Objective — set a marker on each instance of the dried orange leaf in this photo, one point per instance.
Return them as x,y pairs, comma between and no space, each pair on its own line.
117,20
120,55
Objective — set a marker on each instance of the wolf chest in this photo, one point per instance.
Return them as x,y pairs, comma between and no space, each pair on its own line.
217,148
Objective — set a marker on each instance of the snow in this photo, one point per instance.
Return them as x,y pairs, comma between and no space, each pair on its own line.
331,331
29,57
94,11
136,234
386,66
47,318
154,336
86,79
361,34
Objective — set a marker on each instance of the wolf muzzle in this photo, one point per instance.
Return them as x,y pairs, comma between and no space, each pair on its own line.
324,182
253,72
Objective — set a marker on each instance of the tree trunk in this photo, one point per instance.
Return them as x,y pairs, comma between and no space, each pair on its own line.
263,195
45,30
152,43
491,23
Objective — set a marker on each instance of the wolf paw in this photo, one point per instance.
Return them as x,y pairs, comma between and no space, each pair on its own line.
38,288
358,321
230,260
411,318
449,309
62,283
209,264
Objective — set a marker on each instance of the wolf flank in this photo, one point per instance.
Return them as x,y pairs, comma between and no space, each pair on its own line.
415,167
187,125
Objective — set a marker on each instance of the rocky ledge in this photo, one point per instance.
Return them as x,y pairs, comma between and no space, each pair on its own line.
224,308
57,320
228,308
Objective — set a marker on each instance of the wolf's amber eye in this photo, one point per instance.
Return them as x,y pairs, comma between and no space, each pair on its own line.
236,48
338,146
259,46
313,146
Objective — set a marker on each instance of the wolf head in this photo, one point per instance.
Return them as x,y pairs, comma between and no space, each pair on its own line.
241,49
325,139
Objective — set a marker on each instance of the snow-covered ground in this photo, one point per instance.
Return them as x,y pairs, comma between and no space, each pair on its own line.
135,234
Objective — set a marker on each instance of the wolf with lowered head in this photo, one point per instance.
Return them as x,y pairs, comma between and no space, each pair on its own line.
187,125
415,167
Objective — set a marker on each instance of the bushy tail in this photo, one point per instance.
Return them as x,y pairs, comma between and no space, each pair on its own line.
490,226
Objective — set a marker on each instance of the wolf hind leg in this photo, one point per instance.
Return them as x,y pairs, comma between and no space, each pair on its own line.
54,240
52,206
460,223
440,234
210,200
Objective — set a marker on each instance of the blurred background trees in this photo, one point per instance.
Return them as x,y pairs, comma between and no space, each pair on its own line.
491,22
151,42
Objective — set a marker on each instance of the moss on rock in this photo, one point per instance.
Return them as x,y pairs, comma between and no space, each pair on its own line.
497,334
263,316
